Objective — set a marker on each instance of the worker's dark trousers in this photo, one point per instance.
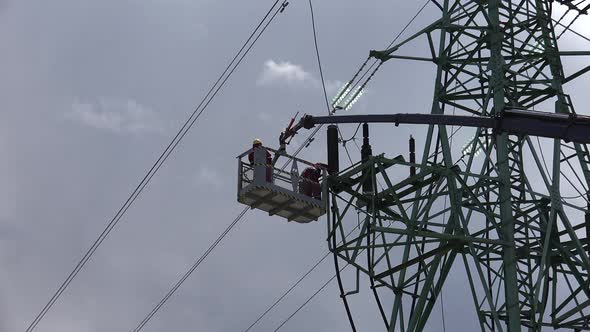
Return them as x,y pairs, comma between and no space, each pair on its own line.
311,189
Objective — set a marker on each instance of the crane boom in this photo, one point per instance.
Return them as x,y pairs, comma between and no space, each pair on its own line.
568,127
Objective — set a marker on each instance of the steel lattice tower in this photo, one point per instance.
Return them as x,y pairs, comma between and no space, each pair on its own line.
503,214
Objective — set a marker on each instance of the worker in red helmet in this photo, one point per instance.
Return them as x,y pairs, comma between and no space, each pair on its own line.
257,143
309,182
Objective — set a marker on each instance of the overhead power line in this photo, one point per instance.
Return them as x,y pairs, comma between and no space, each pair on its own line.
277,301
306,274
192,269
177,285
308,300
317,52
379,62
188,124
287,292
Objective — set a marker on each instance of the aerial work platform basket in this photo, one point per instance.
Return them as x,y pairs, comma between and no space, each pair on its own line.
278,191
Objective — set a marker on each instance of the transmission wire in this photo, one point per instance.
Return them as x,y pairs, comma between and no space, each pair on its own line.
312,296
305,143
366,72
211,248
315,266
325,284
156,166
375,61
274,304
398,35
308,300
319,290
353,137
215,243
409,23
190,271
317,52
293,286
286,293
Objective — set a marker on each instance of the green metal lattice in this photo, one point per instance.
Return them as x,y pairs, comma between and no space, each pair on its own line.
501,215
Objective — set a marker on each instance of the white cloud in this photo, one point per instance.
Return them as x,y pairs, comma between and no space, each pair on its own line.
284,72
123,116
333,87
291,74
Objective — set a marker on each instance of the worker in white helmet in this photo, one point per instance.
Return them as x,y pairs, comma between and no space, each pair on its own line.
257,144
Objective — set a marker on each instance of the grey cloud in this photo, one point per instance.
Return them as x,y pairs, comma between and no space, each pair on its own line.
127,66
122,116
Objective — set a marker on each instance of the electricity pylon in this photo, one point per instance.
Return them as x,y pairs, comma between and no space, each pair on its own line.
509,212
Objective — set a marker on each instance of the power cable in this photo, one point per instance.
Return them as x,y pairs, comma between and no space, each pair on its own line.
409,23
188,124
356,85
179,283
333,277
575,188
353,137
399,35
274,304
317,52
293,286
300,148
287,292
395,39
298,282
316,292
190,271
308,300
323,82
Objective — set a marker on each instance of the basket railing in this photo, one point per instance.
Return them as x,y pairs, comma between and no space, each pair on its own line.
259,171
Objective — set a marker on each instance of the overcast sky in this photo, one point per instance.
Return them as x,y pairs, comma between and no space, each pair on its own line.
90,94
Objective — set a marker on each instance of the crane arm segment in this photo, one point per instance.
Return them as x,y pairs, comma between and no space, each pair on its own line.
568,127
